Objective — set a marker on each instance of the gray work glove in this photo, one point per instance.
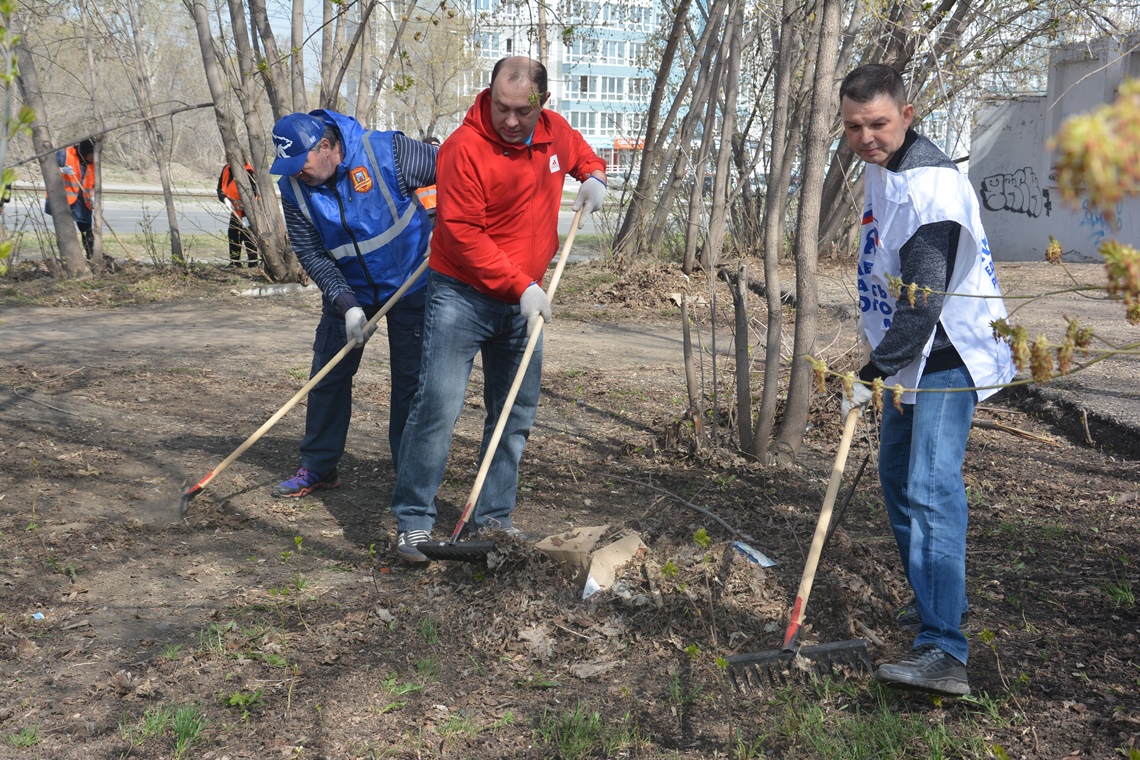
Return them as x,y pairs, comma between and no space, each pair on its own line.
354,326
533,304
860,397
590,197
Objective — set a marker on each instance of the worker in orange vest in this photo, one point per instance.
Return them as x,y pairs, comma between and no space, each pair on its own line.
239,234
77,165
427,194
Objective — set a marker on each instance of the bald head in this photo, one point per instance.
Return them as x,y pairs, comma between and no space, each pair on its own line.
518,93
520,70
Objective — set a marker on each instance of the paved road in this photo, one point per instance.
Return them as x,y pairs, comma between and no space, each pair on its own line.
196,215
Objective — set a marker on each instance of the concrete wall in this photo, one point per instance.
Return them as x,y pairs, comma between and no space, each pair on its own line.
1012,170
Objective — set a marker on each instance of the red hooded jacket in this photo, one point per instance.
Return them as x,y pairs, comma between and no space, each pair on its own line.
497,203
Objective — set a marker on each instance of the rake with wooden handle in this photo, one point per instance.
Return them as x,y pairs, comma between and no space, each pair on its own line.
778,667
370,326
476,551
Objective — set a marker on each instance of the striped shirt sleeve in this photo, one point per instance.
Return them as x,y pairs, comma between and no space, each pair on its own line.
315,260
415,163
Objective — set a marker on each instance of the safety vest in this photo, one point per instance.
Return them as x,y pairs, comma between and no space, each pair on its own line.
427,197
78,176
228,188
376,236
896,204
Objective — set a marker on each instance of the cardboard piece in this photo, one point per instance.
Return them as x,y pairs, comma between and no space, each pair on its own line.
587,566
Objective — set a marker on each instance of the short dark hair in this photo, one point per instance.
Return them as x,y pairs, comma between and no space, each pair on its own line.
332,134
534,72
86,147
868,82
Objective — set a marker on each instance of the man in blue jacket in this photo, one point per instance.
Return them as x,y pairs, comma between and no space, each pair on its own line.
348,196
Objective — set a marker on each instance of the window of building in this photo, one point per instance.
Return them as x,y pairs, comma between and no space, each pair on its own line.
637,53
611,124
613,51
640,89
582,50
585,122
613,88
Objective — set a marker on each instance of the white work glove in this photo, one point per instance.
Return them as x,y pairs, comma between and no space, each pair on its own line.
354,322
590,197
860,397
533,304
245,222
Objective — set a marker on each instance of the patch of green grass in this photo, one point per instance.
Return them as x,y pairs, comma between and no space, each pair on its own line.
508,719
243,701
298,374
429,632
1119,589
28,736
154,723
171,651
459,726
188,723
392,685
212,640
538,681
850,731
428,668
581,733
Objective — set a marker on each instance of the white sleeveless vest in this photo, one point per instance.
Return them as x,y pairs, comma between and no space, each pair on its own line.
896,204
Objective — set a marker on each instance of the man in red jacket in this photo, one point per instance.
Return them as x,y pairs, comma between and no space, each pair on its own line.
500,179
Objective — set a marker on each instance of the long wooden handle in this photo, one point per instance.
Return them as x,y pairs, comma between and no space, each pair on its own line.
797,617
501,423
369,326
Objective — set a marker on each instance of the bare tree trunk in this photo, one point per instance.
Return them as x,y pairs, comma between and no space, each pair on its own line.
773,239
327,99
387,65
145,94
97,165
273,73
297,58
351,49
280,263
66,235
739,291
718,218
365,82
624,243
266,224
816,147
696,400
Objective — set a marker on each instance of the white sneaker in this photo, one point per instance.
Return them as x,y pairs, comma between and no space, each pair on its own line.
406,545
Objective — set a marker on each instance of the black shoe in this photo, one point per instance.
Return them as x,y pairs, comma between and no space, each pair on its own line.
910,621
928,669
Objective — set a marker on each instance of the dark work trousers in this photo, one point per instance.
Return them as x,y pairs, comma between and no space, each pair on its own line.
88,237
330,402
240,238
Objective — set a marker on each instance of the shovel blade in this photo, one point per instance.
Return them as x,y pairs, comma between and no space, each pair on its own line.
782,667
459,551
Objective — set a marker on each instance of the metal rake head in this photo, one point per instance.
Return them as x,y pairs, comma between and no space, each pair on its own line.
781,667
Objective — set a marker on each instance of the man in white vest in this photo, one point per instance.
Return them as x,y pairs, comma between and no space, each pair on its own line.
921,223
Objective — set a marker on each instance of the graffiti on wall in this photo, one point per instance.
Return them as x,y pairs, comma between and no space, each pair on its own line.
1096,225
1017,192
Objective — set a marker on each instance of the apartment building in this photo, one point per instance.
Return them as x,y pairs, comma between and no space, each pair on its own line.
597,56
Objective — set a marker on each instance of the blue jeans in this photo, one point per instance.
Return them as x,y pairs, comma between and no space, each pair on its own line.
460,322
330,401
920,469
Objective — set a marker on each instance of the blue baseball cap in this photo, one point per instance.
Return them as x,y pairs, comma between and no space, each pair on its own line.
293,137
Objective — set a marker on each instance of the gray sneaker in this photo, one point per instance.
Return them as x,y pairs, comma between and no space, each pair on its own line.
909,620
406,545
928,669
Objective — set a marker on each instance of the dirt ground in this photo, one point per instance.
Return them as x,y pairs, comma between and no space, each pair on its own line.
291,629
